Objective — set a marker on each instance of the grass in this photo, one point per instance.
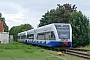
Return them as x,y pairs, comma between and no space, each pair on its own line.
20,51
87,47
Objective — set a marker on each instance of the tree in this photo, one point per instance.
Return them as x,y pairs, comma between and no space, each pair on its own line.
4,24
67,13
80,25
17,29
59,15
89,33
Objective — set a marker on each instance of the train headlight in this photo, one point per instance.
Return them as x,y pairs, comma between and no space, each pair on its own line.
68,39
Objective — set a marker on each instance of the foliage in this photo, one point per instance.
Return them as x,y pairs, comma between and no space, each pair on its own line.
4,24
80,31
86,47
17,29
59,15
89,33
67,13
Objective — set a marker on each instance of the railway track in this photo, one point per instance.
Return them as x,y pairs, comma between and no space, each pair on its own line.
79,52
82,53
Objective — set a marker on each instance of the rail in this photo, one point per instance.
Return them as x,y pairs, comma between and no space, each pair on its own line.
79,52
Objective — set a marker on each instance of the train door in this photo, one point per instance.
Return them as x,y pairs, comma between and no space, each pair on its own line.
48,35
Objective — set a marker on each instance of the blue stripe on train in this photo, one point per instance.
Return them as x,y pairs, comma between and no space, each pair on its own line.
50,44
54,43
69,43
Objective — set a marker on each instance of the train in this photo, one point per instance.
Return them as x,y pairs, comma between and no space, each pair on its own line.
52,35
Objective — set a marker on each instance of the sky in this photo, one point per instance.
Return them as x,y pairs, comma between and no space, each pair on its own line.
17,12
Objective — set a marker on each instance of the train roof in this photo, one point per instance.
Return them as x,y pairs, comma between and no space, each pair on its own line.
60,23
56,24
30,31
22,33
49,25
41,28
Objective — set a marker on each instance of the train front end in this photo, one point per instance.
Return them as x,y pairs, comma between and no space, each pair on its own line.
64,34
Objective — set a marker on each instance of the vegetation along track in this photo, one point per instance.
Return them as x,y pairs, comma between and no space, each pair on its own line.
79,52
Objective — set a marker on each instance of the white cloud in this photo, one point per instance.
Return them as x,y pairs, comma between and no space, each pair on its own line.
13,19
17,12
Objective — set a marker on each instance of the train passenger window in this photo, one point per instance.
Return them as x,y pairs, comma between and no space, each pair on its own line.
52,36
18,37
23,37
30,36
41,36
46,36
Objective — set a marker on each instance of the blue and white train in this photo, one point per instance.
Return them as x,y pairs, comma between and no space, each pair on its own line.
52,35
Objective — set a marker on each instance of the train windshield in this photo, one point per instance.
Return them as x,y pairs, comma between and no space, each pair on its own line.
63,31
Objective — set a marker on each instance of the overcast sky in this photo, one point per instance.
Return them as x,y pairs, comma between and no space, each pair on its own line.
17,12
